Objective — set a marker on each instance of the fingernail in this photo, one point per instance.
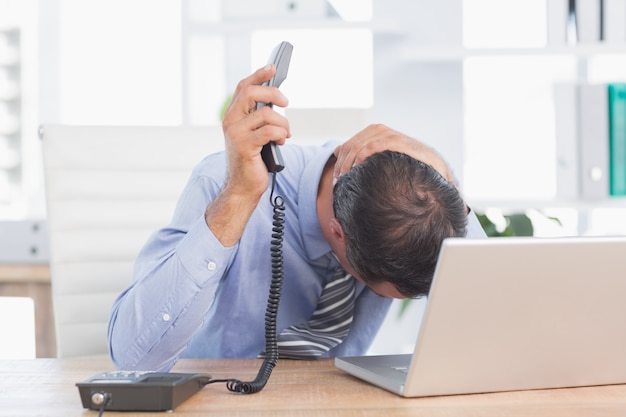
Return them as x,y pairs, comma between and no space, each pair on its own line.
267,67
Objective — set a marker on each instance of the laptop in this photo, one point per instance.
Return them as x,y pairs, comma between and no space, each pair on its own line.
514,313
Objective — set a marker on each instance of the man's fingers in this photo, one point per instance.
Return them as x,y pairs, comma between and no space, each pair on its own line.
370,140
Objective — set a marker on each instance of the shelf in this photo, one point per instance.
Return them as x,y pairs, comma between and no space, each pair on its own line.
523,205
457,53
9,61
242,26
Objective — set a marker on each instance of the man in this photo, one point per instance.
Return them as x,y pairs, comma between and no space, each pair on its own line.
376,208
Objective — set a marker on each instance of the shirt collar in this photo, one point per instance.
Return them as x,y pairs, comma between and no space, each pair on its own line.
314,242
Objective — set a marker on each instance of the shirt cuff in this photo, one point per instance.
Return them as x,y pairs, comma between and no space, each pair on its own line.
203,255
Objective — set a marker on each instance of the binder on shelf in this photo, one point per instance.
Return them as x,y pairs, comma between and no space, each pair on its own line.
557,18
588,20
614,21
594,141
617,139
572,29
567,141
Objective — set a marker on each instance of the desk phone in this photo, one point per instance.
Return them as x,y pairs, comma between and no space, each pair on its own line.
139,390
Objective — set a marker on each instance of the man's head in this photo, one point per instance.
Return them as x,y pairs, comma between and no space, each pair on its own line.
395,212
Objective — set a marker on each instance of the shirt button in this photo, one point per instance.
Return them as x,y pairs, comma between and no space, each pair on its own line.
211,266
166,317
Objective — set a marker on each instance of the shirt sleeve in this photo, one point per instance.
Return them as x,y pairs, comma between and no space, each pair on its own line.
177,274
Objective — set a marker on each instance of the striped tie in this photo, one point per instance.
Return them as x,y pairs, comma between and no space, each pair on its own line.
327,327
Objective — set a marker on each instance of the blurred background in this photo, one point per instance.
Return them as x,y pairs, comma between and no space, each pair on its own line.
473,78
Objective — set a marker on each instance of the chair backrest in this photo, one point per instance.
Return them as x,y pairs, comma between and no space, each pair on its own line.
107,190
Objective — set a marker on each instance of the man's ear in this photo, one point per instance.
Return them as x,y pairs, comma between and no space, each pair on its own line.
337,231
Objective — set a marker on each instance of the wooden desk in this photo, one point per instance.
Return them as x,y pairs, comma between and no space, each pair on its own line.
46,387
33,281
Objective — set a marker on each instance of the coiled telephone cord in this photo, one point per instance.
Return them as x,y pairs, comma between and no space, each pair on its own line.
271,312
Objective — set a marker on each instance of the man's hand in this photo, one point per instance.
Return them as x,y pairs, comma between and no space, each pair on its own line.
246,130
377,138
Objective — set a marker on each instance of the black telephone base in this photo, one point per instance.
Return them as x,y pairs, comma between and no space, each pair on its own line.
139,391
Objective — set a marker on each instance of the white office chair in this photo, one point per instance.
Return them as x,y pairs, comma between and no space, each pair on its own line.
107,190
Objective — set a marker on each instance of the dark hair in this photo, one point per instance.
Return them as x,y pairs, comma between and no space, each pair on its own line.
395,212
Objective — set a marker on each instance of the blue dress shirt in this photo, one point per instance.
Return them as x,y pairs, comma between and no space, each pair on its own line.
192,297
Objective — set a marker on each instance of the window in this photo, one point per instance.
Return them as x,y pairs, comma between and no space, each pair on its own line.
218,51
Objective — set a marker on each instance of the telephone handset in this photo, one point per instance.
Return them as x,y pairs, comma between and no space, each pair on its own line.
280,56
